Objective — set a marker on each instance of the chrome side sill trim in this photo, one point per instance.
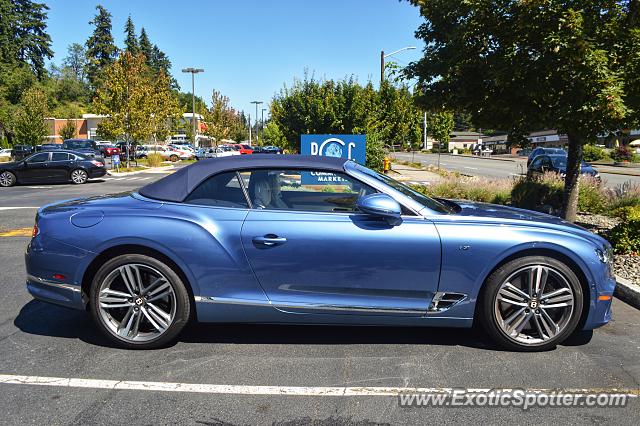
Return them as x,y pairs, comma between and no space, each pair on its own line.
51,283
310,306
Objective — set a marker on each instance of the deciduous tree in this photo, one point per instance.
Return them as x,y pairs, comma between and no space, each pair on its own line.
29,127
528,65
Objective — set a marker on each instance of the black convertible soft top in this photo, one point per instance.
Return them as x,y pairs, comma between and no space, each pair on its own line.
175,187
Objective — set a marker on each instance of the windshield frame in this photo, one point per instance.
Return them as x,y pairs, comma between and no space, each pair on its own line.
411,198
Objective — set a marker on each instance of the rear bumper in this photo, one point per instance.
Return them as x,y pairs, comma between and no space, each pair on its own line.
97,173
55,292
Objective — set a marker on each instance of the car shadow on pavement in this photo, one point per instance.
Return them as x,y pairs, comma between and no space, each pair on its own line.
44,319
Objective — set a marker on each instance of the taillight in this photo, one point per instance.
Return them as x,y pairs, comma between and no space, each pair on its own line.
97,163
35,231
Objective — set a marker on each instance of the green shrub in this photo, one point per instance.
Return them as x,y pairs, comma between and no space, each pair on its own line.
154,159
594,153
538,194
625,237
592,197
473,189
622,154
627,213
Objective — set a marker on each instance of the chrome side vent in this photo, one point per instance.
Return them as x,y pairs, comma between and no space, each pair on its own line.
443,301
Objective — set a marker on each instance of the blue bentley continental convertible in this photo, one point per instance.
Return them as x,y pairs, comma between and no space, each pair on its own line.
314,240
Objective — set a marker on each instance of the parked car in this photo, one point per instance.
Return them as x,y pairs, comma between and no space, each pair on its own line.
202,153
266,150
558,164
52,166
19,152
241,148
48,147
165,151
107,150
5,153
86,147
540,151
311,239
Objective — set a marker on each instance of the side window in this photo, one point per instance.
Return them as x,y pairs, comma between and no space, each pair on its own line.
59,156
39,158
222,190
303,190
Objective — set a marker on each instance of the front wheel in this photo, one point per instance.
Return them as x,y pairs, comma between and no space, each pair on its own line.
7,179
531,304
79,176
173,158
139,302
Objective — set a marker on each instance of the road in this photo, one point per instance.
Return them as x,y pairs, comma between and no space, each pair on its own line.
38,339
476,166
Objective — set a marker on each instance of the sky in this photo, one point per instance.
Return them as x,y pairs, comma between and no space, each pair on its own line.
250,49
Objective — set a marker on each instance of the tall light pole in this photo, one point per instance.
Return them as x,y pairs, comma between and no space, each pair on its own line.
193,72
256,116
262,122
383,57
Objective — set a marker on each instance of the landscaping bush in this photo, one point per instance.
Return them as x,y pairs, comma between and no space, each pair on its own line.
623,154
473,189
154,159
594,153
625,237
543,194
627,213
625,195
592,196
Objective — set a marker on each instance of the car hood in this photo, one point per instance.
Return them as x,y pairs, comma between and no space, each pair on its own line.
500,214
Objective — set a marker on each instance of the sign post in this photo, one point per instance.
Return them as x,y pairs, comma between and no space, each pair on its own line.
115,162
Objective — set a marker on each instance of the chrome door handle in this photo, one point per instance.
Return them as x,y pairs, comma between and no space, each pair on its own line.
269,240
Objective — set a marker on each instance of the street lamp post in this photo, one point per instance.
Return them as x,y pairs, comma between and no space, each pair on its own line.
256,117
383,57
193,72
262,123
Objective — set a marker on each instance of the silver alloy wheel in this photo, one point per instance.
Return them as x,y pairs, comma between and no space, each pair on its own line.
6,179
534,304
79,176
137,302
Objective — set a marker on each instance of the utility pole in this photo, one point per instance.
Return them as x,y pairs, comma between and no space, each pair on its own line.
381,67
424,144
257,103
193,72
262,123
383,57
249,115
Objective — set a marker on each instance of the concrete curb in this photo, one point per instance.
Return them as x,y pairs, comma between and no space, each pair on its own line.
627,292
149,170
616,172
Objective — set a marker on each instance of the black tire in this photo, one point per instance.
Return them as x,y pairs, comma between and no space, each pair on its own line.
7,179
79,176
173,158
489,313
182,301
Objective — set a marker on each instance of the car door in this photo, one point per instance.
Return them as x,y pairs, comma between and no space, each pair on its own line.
35,168
60,166
535,168
313,252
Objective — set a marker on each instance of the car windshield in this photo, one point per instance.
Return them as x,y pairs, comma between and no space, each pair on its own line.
430,203
560,162
78,145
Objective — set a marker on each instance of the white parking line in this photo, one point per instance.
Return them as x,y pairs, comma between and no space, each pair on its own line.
471,168
16,208
257,390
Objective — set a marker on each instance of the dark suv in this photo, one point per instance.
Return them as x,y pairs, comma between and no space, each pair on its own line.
86,147
20,152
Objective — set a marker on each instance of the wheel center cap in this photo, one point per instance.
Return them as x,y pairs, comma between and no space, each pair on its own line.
139,301
533,304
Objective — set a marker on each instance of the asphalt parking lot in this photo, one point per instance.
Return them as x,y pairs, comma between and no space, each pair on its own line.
40,340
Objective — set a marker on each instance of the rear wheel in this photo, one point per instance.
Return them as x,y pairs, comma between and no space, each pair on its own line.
173,158
532,303
79,176
139,302
7,179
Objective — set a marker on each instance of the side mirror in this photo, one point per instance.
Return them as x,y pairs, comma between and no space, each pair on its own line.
381,205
